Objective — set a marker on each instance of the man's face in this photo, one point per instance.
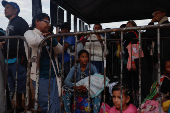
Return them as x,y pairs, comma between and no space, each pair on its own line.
9,11
43,25
97,27
64,30
158,15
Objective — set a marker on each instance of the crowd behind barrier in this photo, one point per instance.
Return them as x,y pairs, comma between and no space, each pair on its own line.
113,65
85,71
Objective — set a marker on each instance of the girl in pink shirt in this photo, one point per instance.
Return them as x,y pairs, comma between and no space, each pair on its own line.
127,106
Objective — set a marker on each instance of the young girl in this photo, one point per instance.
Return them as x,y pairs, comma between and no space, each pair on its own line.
127,106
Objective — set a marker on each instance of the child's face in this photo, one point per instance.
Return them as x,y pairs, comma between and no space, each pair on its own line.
83,58
167,68
117,100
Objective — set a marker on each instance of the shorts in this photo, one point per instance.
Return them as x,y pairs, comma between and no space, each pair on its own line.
21,79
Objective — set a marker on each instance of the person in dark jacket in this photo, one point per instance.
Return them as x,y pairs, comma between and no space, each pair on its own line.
131,75
128,36
17,26
159,15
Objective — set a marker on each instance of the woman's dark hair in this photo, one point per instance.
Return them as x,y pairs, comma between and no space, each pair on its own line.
83,51
126,88
123,26
98,24
132,22
39,17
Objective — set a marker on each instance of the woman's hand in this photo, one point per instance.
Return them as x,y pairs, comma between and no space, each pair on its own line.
46,34
80,88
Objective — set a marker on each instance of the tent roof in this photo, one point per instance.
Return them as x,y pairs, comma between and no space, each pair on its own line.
104,11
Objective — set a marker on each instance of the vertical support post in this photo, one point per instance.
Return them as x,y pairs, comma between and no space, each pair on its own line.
16,77
140,70
28,77
37,79
105,48
69,18
159,71
6,73
75,73
83,27
62,74
80,28
50,54
89,75
121,75
75,23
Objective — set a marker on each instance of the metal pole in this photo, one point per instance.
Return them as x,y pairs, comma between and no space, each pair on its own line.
159,71
28,77
140,71
37,79
105,48
89,74
121,75
6,73
75,57
50,54
62,75
16,77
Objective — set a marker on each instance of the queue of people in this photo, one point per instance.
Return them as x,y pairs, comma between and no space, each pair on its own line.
40,29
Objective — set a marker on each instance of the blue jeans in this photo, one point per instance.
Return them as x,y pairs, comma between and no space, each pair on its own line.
21,79
43,95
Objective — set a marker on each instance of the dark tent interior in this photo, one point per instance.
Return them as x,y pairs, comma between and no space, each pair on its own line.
104,11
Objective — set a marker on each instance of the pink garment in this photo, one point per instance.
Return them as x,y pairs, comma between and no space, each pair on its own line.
131,109
150,106
135,55
107,108
83,39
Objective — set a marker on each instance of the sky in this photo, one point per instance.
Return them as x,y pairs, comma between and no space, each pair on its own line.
26,13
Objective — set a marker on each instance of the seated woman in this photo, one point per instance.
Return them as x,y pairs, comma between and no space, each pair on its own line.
81,72
164,92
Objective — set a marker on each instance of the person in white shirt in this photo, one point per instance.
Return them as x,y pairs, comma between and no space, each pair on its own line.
97,48
40,28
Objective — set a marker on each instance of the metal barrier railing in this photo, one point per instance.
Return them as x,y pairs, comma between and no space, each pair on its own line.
106,41
18,38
